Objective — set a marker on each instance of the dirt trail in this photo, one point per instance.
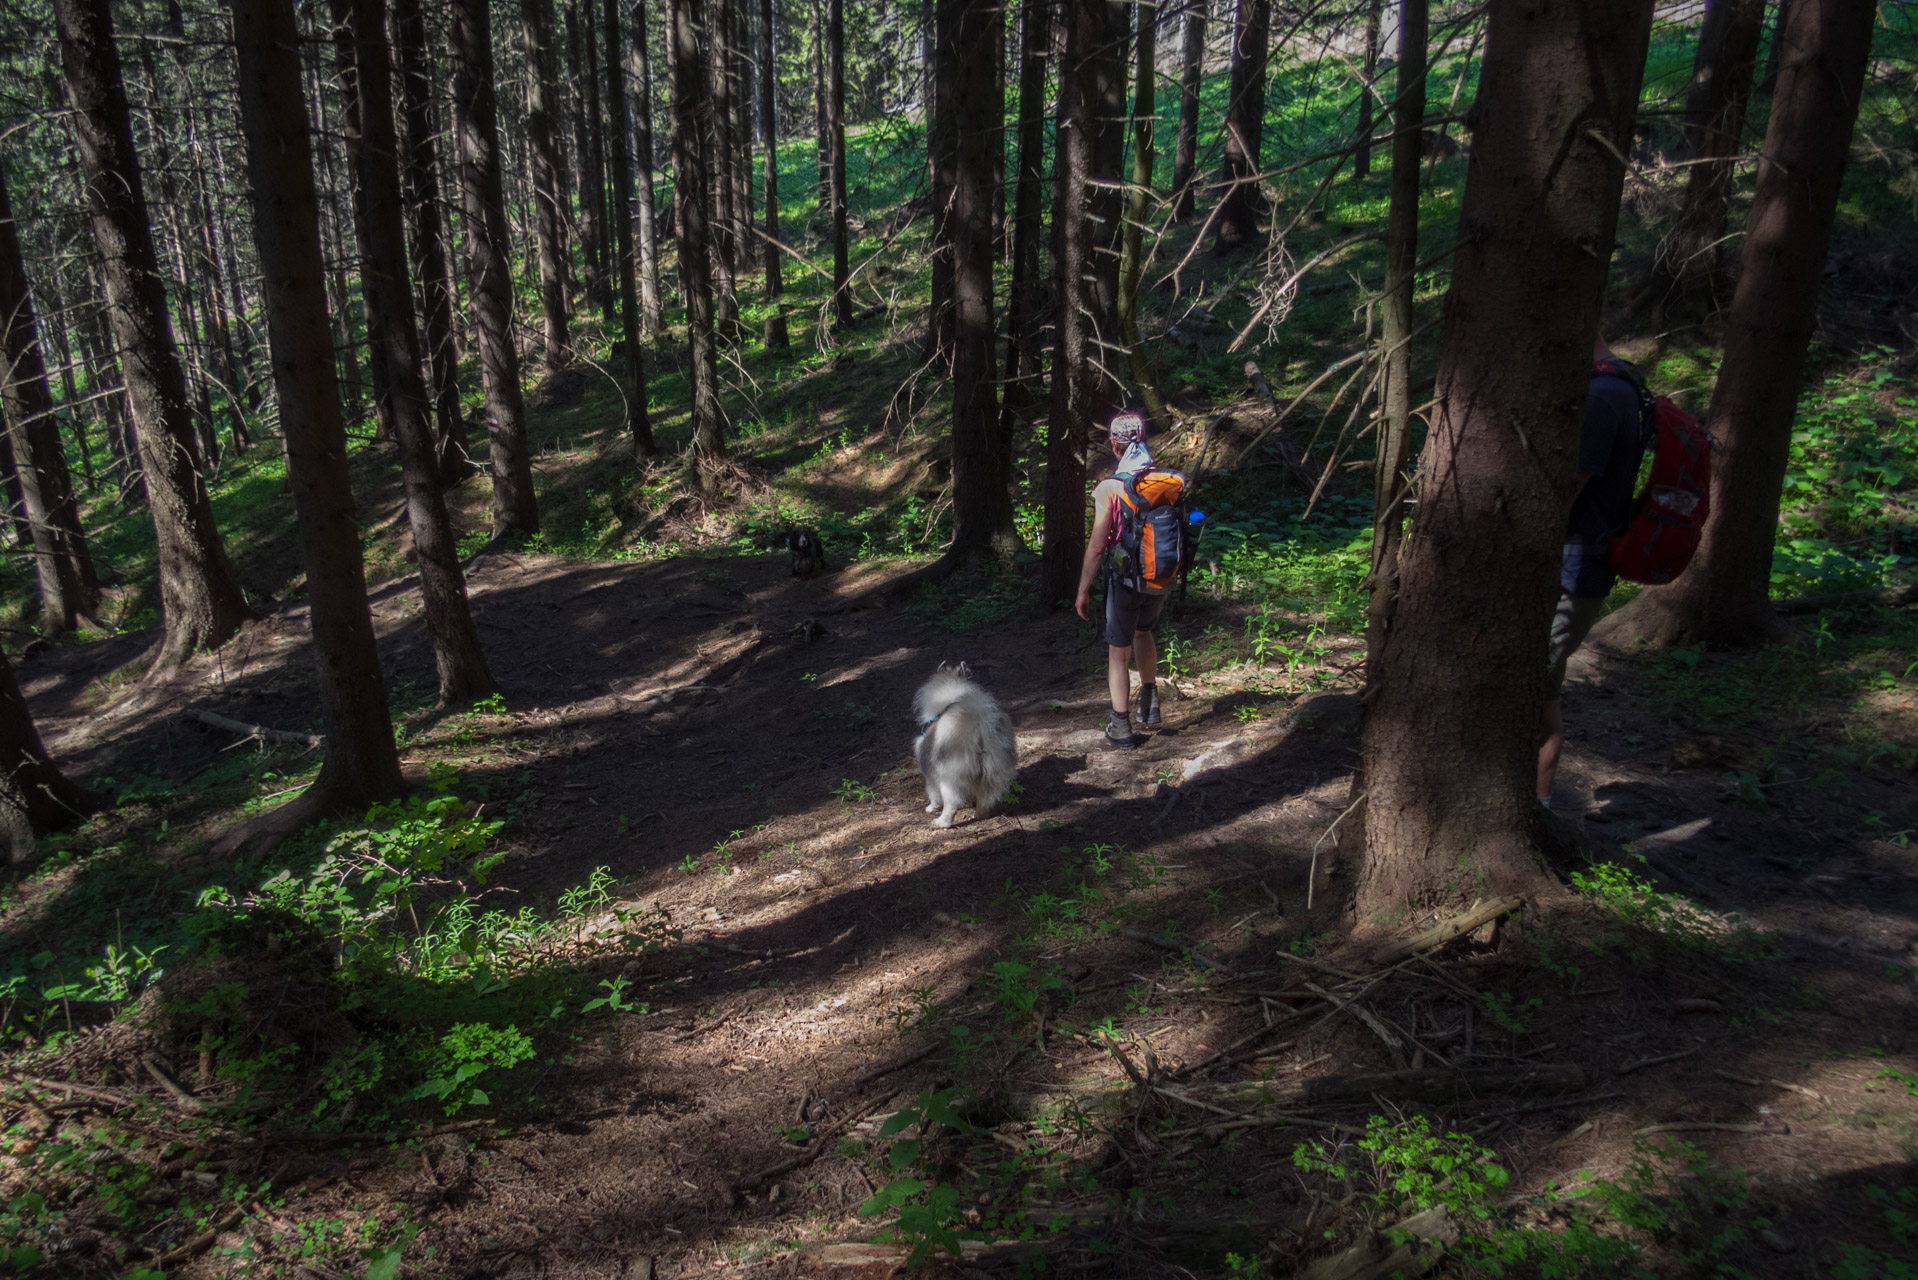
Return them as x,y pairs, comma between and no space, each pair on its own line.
714,711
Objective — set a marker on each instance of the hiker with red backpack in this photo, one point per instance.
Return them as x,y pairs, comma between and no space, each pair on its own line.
1615,530
1139,534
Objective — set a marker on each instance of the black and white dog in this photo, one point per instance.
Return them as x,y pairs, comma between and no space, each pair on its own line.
808,552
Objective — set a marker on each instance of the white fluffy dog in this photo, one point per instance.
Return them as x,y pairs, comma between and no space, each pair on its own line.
965,747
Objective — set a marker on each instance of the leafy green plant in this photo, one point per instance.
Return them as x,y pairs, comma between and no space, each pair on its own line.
928,1216
467,1051
1408,1161
851,791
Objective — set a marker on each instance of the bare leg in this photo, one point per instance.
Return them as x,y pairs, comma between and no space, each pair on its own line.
1118,678
1548,752
1145,647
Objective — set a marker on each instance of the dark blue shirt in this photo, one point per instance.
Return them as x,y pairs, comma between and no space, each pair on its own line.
1610,446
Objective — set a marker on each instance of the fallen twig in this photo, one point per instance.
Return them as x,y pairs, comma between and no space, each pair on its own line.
1446,930
817,1147
175,1090
1630,1067
900,1065
95,1092
1758,1083
257,731
1711,1126
1140,936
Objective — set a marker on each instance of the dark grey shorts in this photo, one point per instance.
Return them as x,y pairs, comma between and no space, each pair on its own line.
1570,625
1128,612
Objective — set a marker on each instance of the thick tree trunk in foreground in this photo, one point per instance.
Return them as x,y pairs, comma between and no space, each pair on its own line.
1724,597
1084,277
1185,156
1244,122
638,419
201,603
362,764
651,301
549,194
981,498
776,336
836,128
1395,332
690,178
1450,744
69,591
36,799
1689,267
1026,292
457,653
489,251
420,163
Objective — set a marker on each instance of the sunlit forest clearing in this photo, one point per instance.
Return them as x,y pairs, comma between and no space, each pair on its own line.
455,831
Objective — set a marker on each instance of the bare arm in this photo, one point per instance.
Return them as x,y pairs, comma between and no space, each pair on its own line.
1095,547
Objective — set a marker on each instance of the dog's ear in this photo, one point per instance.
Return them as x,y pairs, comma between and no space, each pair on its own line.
963,671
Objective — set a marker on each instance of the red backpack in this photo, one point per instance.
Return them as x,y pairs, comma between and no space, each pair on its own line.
1668,517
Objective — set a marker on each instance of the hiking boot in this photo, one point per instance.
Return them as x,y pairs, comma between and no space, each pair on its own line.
1119,731
1148,708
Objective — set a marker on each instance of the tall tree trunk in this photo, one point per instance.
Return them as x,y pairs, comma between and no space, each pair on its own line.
742,136
362,763
1137,205
638,420
1689,269
1244,122
972,106
776,336
689,200
376,320
822,106
200,600
1185,159
1775,51
69,591
592,218
1450,745
69,388
36,799
585,127
1724,597
651,302
373,152
721,228
1025,294
1395,332
421,169
542,139
1368,81
942,148
489,253
836,128
1084,276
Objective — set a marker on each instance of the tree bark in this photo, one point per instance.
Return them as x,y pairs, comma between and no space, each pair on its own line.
836,128
941,155
36,799
1395,335
201,602
69,590
638,420
776,336
461,662
1185,159
1244,122
1084,276
1450,741
1026,292
689,200
542,140
489,255
651,302
822,107
721,227
592,216
982,517
420,165
1137,206
1689,270
1368,81
1724,597
362,763
378,368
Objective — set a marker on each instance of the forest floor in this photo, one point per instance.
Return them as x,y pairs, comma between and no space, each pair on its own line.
733,745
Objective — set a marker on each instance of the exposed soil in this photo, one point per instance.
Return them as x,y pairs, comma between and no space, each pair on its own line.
660,709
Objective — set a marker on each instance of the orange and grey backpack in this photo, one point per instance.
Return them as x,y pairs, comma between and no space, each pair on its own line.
1152,534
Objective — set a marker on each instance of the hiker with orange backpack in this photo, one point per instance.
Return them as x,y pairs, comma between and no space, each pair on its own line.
1614,530
1139,534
